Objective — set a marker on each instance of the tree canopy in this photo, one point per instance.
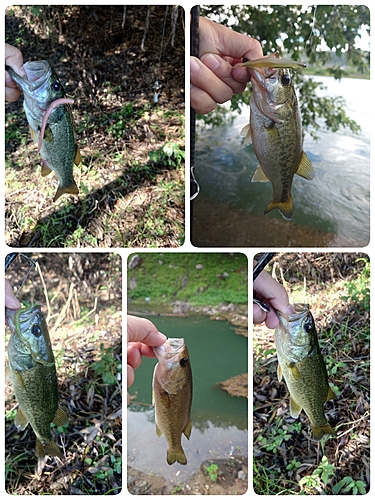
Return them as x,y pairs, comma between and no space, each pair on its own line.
322,36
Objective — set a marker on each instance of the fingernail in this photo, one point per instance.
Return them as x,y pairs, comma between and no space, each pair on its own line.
194,65
211,61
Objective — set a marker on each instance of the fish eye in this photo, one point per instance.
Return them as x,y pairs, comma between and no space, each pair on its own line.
56,86
285,79
36,331
184,362
308,326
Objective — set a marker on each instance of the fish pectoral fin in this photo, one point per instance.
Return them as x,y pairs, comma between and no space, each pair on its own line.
305,169
77,159
48,135
49,449
284,207
34,135
246,132
295,372
21,420
178,456
331,394
61,417
279,373
318,432
187,429
71,189
259,175
295,408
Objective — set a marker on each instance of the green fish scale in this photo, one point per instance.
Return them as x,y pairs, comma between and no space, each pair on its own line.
36,391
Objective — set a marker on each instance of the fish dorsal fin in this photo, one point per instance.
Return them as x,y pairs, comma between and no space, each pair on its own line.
45,169
187,429
259,175
77,158
295,409
279,373
158,431
61,417
21,420
305,169
331,394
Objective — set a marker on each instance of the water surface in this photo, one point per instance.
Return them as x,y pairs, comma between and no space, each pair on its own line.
219,420
331,210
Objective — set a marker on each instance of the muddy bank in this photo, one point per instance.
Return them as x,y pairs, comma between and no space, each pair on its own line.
225,476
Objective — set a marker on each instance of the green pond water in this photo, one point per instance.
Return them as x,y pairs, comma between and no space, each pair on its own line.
220,421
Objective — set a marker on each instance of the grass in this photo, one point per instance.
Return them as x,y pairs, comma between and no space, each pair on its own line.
200,278
286,461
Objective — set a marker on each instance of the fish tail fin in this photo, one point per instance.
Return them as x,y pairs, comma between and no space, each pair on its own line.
45,169
49,449
284,207
71,189
318,432
176,456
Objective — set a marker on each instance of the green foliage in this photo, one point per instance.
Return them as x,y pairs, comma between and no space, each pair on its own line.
359,288
349,486
213,471
320,478
278,434
297,33
108,366
169,155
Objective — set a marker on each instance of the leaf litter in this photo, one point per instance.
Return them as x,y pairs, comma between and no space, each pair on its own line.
88,354
286,460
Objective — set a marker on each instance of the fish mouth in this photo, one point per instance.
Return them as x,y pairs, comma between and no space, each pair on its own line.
300,311
22,316
171,348
37,73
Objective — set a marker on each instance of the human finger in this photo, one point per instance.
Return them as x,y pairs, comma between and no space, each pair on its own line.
11,301
268,288
200,101
14,59
143,330
223,70
202,77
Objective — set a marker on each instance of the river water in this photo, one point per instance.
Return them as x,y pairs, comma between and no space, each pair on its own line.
219,420
331,210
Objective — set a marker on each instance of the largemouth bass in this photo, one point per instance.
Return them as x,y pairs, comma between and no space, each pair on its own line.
172,396
275,129
302,365
271,61
51,122
34,379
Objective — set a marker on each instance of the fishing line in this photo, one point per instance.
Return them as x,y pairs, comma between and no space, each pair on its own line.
9,259
313,26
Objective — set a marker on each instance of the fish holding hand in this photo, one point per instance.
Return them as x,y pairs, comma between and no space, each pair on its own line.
302,365
51,122
275,130
172,396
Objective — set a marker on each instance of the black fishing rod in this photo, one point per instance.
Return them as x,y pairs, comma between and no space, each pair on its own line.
194,51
